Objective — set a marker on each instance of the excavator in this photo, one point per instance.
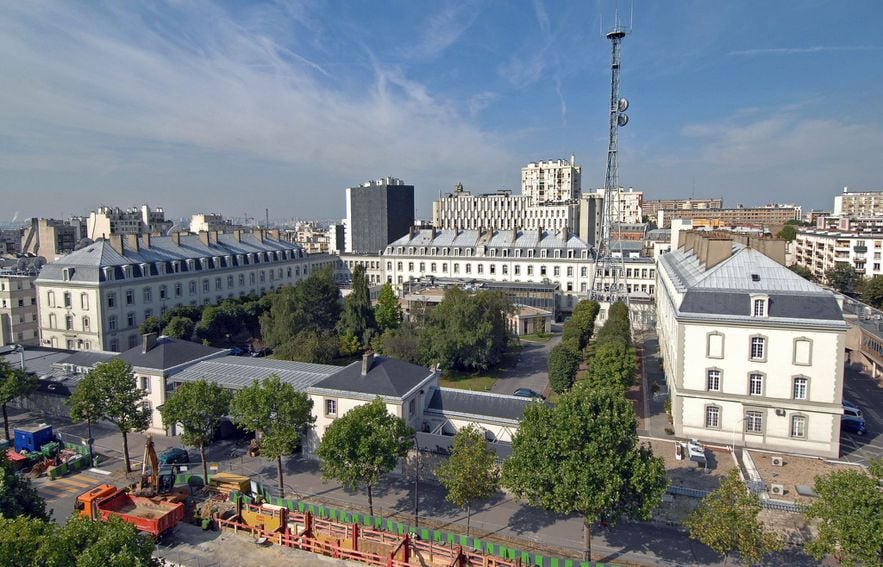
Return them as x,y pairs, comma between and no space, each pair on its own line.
156,478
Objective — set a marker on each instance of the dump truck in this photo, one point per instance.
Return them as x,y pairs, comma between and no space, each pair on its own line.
153,516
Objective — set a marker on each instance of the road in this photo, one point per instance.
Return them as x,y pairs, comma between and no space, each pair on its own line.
532,368
868,395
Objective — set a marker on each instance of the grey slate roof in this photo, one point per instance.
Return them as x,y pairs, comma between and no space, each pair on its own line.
449,400
87,358
237,372
38,360
817,306
499,238
443,444
387,377
168,353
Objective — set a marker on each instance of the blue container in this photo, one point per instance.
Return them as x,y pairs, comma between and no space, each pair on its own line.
32,438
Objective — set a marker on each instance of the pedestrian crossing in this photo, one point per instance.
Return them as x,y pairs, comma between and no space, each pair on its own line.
60,487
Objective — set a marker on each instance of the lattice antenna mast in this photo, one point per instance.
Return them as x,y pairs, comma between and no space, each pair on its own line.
608,283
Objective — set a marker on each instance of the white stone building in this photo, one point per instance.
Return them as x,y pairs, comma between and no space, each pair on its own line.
460,210
106,221
822,250
753,354
18,310
860,204
553,181
95,298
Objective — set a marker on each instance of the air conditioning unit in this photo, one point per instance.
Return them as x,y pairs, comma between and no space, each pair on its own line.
777,490
778,461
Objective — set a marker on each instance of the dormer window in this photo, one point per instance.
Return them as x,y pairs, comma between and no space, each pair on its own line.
759,307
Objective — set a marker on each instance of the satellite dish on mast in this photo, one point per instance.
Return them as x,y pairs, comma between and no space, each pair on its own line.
622,119
623,105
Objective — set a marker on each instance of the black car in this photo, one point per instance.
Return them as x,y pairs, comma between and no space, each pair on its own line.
528,393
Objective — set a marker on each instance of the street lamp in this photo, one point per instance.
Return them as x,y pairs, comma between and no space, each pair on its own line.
416,480
21,355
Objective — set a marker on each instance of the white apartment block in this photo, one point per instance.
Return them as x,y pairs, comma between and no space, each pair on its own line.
212,222
861,204
822,250
753,353
18,310
106,221
461,210
553,181
95,298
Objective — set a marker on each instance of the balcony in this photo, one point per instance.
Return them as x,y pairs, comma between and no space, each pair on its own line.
860,249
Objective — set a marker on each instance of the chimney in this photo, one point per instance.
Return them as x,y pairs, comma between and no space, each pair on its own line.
203,237
213,237
145,240
259,234
176,238
148,341
132,241
564,236
367,361
716,251
275,234
116,242
433,233
411,231
237,234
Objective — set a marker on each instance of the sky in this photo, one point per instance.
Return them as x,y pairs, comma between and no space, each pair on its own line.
235,107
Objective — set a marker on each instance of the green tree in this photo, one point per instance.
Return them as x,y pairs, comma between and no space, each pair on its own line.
471,473
563,364
20,538
583,319
402,343
388,311
222,325
198,407
788,233
363,445
151,324
357,317
14,383
277,411
872,293
313,304
803,272
349,344
582,455
17,496
467,331
120,401
842,277
192,312
726,521
309,346
86,543
848,517
612,363
179,328
86,404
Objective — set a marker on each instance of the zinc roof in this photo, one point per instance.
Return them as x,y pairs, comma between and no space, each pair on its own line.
237,372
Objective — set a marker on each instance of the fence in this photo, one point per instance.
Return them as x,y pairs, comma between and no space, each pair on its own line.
76,464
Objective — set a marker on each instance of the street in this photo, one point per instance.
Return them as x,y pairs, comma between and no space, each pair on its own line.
867,393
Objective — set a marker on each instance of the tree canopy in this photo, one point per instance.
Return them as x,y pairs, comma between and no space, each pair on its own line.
788,233
563,364
872,292
848,517
198,407
613,363
151,324
279,412
402,343
363,445
318,347
471,473
357,317
179,328
582,455
312,304
583,320
726,521
387,312
14,383
17,496
843,278
803,272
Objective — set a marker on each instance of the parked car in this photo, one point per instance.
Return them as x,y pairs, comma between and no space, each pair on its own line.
174,456
852,424
853,412
528,393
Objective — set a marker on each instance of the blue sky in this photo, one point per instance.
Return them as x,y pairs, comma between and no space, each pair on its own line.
232,107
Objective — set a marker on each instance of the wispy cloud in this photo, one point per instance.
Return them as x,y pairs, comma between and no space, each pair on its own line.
803,50
442,30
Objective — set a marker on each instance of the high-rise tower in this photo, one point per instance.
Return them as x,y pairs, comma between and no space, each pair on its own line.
609,282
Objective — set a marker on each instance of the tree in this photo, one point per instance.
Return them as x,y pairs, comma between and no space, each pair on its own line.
151,324
198,407
582,456
849,518
312,304
388,311
309,346
120,401
363,445
179,328
803,272
86,404
583,319
842,277
788,233
467,331
14,383
20,538
279,412
357,317
562,365
612,363
17,496
471,473
726,521
872,293
402,343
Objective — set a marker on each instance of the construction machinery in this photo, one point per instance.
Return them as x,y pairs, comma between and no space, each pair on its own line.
153,516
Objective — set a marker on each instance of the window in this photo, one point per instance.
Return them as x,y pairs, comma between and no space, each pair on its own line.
112,325
802,351
529,270
714,345
178,290
162,293
331,408
412,406
205,286
713,380
758,348
798,426
753,422
556,271
422,267
570,271
712,417
801,385
86,324
759,308
130,319
148,295
130,297
67,299
133,341
755,384
218,283
481,268
145,384
69,322
193,288
84,301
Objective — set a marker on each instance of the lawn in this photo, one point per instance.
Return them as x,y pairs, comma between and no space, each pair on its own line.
481,381
544,338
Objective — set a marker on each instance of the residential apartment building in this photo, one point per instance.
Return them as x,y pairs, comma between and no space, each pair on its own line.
213,222
653,206
18,310
822,250
313,237
460,210
378,212
753,353
767,215
860,204
627,209
96,298
373,264
52,238
106,221
552,181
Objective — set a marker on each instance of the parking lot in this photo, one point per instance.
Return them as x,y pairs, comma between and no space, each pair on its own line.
867,393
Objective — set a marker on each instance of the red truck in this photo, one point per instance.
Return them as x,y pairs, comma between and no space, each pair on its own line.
155,517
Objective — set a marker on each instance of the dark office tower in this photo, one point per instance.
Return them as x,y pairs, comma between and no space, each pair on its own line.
378,212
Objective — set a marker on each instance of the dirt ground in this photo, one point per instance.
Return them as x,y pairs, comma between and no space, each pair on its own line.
689,474
794,471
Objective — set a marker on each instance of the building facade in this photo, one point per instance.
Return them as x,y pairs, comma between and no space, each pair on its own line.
653,206
51,238
822,250
378,212
552,181
753,354
106,221
860,204
96,298
775,215
19,323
